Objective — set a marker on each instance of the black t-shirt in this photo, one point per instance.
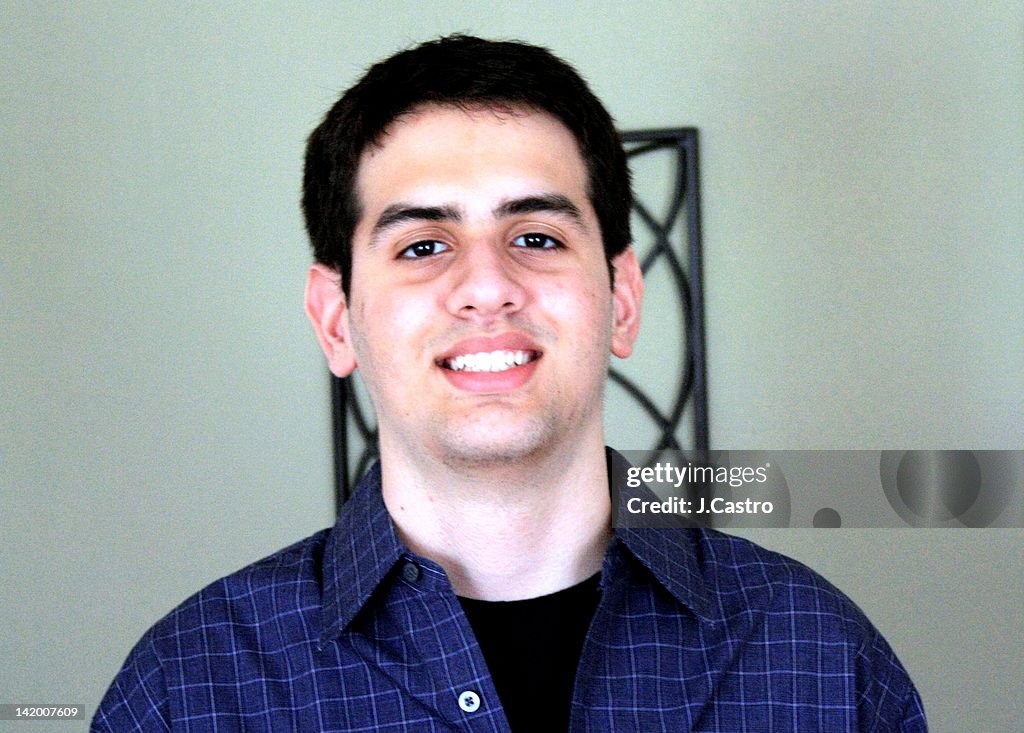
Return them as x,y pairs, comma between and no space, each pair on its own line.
532,648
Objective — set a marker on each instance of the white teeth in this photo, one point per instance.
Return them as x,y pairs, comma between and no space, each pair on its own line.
489,361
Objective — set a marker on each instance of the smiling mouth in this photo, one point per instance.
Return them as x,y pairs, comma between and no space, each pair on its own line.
489,361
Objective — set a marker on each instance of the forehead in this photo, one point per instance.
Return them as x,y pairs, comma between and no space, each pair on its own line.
478,153
457,124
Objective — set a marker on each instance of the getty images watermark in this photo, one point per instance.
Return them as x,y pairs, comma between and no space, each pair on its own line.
665,473
912,488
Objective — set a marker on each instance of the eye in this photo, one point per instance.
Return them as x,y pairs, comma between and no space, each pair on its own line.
534,240
423,248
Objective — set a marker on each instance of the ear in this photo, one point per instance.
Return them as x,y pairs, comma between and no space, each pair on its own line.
627,294
327,309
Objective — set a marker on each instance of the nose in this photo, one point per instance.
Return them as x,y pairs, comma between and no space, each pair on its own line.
486,283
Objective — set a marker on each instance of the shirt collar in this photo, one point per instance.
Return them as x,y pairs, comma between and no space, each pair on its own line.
361,549
364,546
670,552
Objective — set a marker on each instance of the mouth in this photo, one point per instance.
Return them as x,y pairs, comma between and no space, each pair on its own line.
489,361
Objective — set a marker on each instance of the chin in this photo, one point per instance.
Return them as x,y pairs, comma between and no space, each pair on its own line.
487,445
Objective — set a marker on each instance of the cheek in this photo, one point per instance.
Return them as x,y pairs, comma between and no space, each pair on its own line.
391,323
584,307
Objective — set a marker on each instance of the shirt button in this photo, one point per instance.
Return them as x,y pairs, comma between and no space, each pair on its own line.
469,701
411,572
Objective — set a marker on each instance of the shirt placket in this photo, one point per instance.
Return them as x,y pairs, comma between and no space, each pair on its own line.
446,670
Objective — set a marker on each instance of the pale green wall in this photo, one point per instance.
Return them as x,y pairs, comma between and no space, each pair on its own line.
164,413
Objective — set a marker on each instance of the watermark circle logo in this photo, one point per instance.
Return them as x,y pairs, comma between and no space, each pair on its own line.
827,518
949,488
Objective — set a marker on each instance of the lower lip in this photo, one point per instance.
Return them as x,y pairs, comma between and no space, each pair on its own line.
491,382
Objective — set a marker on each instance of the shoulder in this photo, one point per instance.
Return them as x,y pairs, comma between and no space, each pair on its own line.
266,605
791,603
744,579
288,581
724,578
745,575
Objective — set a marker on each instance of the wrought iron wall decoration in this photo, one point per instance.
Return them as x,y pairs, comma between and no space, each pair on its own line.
668,243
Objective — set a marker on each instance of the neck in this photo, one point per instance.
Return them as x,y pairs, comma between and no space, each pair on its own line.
505,531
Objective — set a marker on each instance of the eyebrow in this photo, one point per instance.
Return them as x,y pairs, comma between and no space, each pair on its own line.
399,213
554,203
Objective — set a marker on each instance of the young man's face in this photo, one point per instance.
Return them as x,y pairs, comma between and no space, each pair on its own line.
480,310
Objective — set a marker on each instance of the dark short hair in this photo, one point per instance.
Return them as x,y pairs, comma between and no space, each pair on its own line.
466,72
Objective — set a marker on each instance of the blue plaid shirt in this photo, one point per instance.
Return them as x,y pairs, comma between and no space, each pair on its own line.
349,631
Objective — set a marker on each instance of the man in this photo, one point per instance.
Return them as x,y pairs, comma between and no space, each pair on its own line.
468,204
